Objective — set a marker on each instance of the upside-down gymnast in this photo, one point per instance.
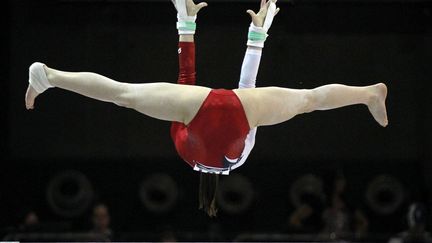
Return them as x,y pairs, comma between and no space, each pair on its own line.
213,129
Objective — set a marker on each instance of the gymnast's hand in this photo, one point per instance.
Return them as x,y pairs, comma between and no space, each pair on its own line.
186,15
258,18
191,8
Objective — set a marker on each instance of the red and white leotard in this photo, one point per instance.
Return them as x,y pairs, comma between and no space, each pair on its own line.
214,141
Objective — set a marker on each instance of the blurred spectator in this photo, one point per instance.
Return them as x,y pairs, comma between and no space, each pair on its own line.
307,217
101,221
416,232
336,219
215,232
168,236
341,221
30,221
360,224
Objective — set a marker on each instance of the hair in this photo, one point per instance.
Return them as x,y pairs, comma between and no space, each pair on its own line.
208,187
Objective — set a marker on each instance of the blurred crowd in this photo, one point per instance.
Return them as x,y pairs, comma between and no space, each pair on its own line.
332,219
339,221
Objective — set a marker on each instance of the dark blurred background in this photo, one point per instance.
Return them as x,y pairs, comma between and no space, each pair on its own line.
97,170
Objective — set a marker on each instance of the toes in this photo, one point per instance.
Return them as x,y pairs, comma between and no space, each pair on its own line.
385,123
29,105
30,97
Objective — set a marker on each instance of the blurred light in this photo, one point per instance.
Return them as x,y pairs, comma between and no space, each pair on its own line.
69,193
235,194
159,193
385,194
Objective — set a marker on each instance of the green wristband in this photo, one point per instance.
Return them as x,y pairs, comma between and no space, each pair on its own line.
186,26
256,36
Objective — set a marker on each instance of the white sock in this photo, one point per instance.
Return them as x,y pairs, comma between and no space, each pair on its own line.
37,77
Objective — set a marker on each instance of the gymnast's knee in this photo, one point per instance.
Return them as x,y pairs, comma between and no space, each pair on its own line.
126,97
309,101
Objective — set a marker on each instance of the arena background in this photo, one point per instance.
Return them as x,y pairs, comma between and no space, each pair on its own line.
117,150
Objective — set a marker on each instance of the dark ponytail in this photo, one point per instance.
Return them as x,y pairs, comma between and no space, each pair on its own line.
207,193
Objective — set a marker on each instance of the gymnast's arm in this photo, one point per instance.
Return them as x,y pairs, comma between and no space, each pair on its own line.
186,14
252,56
250,66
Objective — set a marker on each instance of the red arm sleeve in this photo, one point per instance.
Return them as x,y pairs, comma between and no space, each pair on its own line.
186,63
186,75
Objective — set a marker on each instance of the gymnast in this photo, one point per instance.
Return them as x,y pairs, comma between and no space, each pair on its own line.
213,129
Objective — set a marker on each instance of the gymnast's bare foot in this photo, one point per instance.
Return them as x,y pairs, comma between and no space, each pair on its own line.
377,105
30,97
38,83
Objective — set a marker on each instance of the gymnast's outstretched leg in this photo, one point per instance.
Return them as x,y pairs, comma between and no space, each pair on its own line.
163,101
286,103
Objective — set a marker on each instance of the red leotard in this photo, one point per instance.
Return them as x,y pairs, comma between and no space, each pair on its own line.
215,138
